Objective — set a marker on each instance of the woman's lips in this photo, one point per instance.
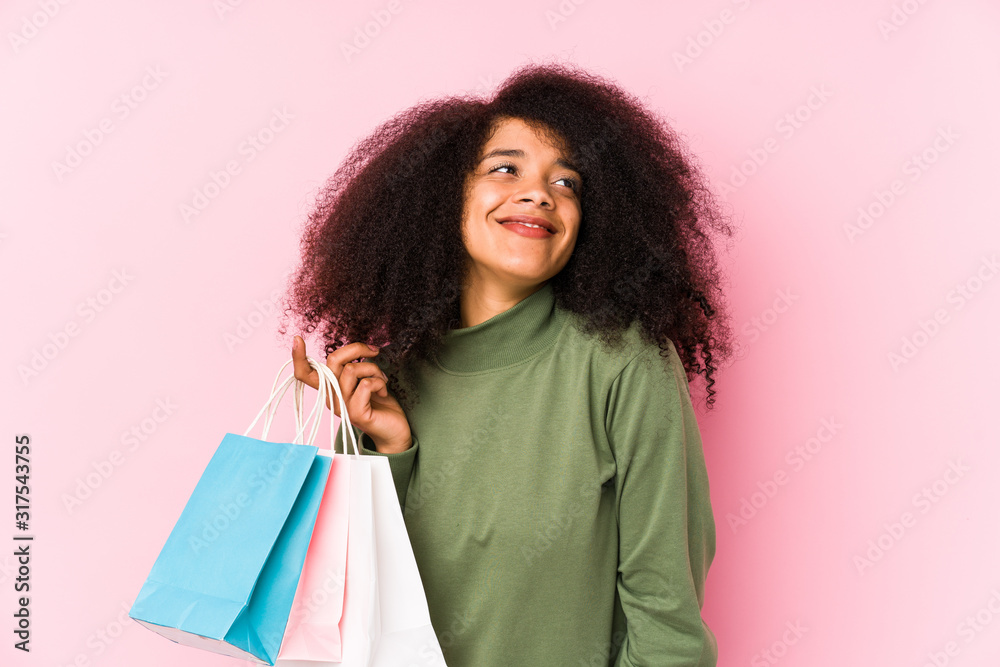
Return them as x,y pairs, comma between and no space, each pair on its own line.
528,225
524,230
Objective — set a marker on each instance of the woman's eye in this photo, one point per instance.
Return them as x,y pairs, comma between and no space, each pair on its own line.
505,165
570,183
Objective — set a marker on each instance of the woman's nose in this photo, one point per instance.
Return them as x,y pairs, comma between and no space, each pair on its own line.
535,191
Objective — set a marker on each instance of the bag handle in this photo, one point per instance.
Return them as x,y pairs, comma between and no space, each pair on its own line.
270,407
332,381
273,405
327,380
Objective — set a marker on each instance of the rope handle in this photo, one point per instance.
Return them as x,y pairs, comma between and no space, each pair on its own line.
332,380
327,380
270,407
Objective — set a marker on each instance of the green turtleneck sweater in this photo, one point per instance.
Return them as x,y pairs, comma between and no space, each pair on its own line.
556,497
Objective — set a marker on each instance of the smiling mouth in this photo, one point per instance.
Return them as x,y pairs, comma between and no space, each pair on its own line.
528,221
525,224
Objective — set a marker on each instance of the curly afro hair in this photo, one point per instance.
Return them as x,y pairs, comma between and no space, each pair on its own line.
383,260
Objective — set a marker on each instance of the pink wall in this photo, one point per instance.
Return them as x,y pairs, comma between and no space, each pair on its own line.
809,112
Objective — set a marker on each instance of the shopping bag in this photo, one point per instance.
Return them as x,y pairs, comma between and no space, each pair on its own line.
358,622
407,637
313,630
394,603
226,576
385,621
360,625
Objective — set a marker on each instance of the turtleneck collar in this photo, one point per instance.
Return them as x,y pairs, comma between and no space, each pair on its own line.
523,330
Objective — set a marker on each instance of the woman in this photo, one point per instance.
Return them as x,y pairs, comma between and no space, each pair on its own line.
515,293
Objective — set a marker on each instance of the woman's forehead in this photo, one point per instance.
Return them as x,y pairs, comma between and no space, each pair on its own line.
507,129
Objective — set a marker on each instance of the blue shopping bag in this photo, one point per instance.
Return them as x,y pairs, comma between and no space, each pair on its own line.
226,577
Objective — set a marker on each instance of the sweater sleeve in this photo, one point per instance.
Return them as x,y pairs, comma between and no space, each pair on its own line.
401,464
665,523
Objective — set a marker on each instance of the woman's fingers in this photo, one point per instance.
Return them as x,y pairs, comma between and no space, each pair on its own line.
360,403
342,356
352,377
364,388
303,371
355,372
349,372
306,373
343,362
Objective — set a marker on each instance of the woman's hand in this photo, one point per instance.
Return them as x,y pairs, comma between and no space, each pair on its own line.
363,385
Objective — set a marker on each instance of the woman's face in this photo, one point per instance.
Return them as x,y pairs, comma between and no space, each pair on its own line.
522,179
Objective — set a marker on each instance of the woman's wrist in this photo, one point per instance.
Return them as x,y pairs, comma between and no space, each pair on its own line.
389,447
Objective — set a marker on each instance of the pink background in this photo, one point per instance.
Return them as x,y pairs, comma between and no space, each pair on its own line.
818,308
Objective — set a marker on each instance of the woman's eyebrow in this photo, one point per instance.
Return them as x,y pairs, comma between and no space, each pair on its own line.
518,153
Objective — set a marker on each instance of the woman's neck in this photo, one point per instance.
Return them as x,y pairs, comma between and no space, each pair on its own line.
481,301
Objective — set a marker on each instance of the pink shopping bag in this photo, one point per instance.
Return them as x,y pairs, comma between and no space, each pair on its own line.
313,629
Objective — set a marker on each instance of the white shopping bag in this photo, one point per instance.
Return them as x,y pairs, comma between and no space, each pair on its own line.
407,637
360,626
